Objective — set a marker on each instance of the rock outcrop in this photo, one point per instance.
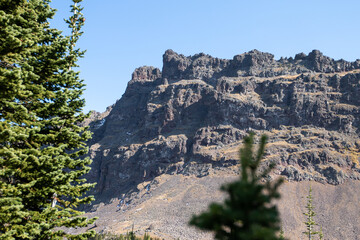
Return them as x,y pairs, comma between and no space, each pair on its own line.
189,119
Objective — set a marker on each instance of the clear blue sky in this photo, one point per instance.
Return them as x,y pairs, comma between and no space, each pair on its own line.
121,35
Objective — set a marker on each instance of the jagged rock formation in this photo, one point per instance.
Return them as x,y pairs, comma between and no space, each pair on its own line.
189,120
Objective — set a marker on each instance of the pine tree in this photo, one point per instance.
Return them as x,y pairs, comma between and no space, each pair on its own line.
248,212
310,214
41,141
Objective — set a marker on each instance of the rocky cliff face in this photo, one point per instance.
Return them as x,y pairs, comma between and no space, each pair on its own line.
189,120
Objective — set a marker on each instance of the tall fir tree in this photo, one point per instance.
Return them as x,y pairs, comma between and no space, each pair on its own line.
248,212
41,141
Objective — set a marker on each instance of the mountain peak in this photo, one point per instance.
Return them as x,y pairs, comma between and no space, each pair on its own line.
183,126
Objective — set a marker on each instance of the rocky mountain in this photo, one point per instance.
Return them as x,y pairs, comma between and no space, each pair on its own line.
161,152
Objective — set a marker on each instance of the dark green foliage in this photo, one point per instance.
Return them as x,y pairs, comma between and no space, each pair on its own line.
248,212
128,236
41,141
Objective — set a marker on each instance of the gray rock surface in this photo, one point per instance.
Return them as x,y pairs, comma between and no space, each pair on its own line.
189,120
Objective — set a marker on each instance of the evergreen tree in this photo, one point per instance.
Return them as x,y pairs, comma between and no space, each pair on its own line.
310,222
41,141
248,212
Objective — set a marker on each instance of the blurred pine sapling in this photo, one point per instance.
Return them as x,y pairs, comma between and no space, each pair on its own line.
248,212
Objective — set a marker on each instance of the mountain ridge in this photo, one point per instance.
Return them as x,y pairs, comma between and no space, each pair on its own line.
188,120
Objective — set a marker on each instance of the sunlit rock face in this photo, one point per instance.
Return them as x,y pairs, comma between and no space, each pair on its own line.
188,120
